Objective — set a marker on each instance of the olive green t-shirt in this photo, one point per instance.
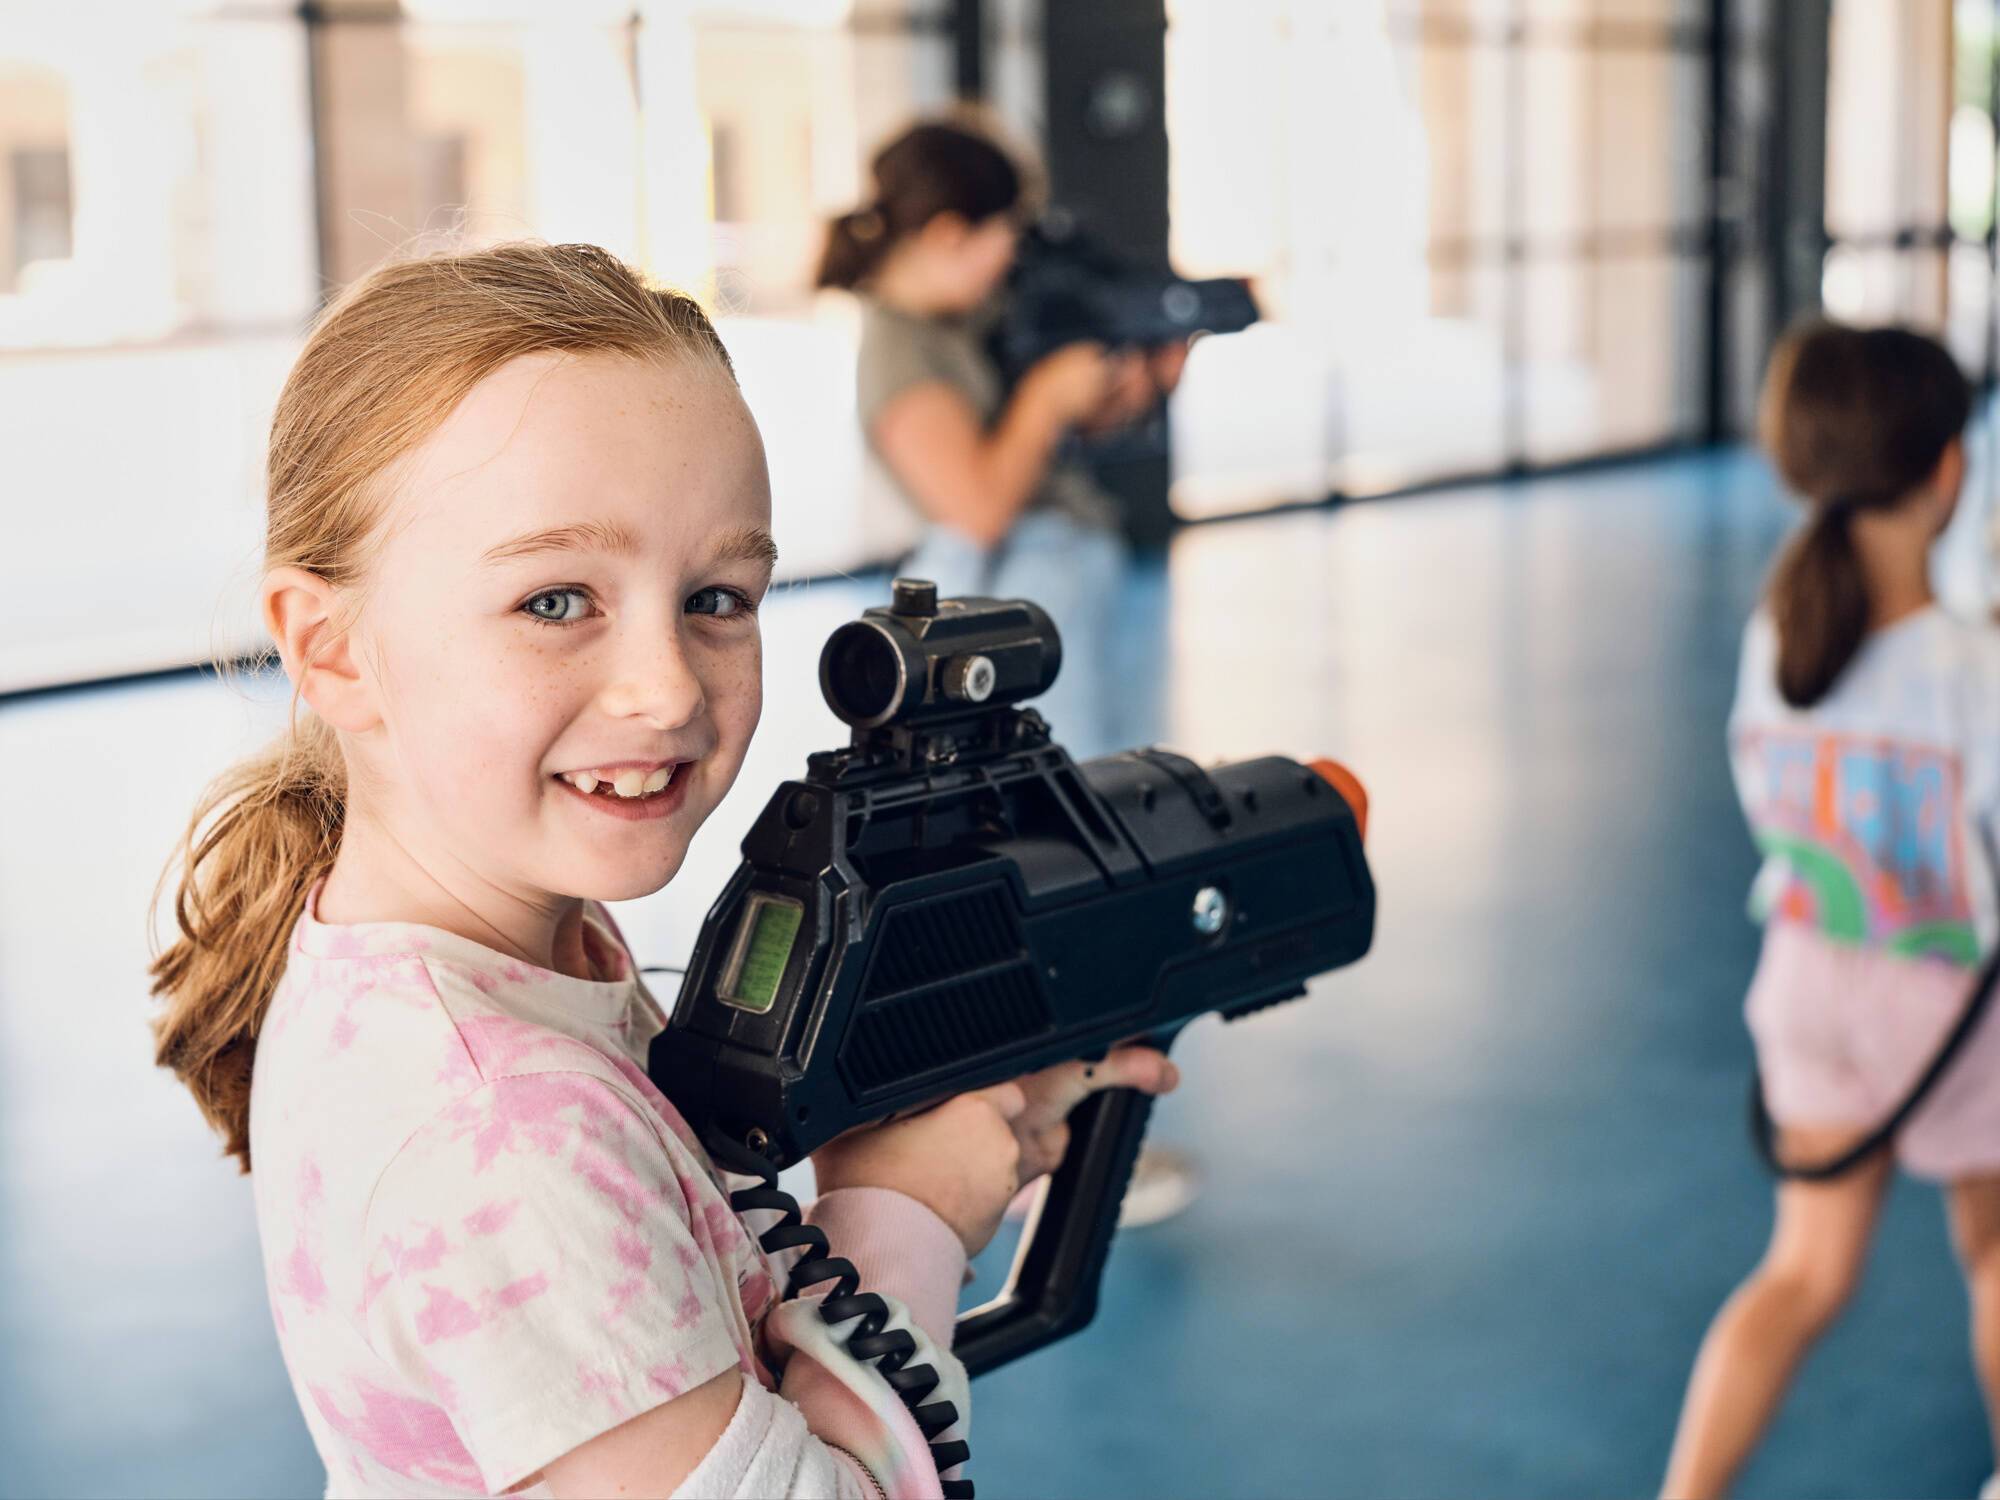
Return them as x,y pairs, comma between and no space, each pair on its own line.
900,350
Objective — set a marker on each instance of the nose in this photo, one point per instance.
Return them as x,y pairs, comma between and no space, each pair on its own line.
653,680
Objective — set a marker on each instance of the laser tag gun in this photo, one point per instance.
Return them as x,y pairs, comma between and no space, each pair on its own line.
950,902
1066,289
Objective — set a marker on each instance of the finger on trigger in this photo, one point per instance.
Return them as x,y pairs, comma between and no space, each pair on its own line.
1079,1081
1143,1068
1053,1144
1010,1099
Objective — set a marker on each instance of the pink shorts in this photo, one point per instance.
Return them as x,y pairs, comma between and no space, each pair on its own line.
1843,1032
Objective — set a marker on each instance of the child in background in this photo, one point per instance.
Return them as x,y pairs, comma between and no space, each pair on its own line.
975,471
1866,747
518,534
979,466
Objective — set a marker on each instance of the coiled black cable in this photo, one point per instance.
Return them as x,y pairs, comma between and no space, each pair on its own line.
888,1348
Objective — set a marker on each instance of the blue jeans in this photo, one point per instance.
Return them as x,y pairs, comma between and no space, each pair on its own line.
1080,575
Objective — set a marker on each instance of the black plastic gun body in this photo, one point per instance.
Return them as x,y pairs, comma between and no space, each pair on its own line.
952,901
1067,288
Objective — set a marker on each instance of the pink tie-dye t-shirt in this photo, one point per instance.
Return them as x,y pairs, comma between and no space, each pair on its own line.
488,1237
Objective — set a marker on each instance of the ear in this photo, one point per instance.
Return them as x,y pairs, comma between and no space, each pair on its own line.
945,231
1949,475
1943,486
302,612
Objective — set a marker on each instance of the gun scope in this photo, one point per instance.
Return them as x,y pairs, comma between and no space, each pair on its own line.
919,660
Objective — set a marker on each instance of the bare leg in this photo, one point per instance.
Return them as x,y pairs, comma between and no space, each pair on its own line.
1975,1230
1818,1247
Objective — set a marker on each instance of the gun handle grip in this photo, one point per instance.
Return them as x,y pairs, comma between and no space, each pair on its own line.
1053,1290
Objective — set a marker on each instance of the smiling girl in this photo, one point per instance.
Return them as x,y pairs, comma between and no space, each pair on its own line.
518,535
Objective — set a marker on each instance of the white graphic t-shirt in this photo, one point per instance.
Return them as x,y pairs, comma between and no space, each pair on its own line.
1877,808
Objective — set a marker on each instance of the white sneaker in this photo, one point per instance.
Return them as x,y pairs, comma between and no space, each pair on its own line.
1164,1181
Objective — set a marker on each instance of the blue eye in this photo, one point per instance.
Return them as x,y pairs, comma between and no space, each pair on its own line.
558,606
723,604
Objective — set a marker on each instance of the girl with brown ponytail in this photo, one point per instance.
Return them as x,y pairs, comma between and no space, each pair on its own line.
1865,742
518,532
967,470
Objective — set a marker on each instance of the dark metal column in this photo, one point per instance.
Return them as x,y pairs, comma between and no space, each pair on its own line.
1106,71
1798,179
968,49
1107,145
1724,213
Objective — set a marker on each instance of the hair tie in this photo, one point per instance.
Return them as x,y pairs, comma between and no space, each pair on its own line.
865,224
1843,507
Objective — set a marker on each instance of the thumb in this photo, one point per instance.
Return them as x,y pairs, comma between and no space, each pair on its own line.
1007,1098
1067,1085
1146,1069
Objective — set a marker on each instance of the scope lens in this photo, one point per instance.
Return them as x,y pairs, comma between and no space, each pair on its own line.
864,676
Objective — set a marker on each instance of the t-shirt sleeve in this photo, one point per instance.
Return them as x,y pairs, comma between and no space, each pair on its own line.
1981,758
896,355
1750,710
534,1266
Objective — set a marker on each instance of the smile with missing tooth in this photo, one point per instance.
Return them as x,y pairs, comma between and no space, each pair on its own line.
628,781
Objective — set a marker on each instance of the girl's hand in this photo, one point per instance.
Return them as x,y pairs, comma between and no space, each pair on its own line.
961,1160
1129,394
1071,383
1043,1127
1166,364
966,1159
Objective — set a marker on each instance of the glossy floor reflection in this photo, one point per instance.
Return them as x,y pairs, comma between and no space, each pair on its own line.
1468,1207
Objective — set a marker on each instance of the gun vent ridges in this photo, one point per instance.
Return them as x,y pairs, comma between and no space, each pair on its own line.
906,1038
940,938
950,980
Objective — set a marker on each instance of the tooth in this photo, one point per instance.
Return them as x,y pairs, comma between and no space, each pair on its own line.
583,781
657,782
628,783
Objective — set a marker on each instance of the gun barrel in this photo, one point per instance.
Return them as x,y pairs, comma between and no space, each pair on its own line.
1350,788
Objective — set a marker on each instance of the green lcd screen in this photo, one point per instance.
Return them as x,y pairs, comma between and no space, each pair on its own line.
762,949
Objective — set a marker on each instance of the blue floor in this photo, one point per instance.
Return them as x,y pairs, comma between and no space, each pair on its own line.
1468,1207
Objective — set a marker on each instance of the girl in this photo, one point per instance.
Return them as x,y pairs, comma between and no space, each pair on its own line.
517,538
1866,748
1002,514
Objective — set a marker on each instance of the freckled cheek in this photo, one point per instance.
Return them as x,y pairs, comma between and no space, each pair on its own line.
497,705
736,698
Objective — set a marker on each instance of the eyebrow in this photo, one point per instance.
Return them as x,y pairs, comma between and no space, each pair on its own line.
581,536
743,544
747,544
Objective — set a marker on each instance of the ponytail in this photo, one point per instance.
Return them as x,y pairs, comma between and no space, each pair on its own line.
856,245
263,834
1819,603
1853,419
386,364
938,167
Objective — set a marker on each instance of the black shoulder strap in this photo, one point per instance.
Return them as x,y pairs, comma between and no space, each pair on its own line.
1764,1135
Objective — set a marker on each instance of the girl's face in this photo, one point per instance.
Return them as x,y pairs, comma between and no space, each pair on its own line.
564,609
970,260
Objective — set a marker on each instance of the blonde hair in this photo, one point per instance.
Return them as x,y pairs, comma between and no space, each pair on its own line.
384,366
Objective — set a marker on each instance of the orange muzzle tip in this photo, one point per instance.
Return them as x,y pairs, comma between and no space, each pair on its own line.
1348,785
